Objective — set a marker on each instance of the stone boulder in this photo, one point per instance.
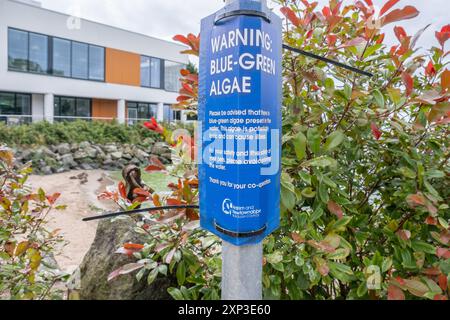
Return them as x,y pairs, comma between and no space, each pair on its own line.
101,260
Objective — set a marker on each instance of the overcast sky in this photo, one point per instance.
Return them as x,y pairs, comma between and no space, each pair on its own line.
165,18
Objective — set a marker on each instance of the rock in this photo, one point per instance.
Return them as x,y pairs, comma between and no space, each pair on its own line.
136,161
167,155
141,155
101,260
110,148
159,148
63,148
116,155
85,145
68,160
47,170
80,155
86,166
127,156
91,152
74,147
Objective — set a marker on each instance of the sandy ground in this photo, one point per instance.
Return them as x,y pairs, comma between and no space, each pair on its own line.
81,201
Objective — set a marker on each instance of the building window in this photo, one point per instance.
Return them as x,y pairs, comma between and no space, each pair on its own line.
141,111
61,57
69,108
172,75
38,56
191,116
150,72
17,50
96,63
15,104
176,115
155,73
145,71
80,53
38,53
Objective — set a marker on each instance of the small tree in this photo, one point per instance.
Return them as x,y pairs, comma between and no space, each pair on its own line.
25,242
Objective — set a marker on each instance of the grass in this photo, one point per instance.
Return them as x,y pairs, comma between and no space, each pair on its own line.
157,181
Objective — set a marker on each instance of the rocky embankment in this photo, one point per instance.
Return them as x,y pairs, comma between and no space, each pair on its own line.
87,156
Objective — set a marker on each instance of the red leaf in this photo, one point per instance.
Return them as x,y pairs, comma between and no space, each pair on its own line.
443,35
141,192
404,234
388,5
395,293
288,13
407,12
52,199
184,72
297,238
331,39
430,70
335,209
440,297
353,42
408,82
443,253
445,80
380,38
431,221
400,33
443,282
181,39
133,246
174,202
415,200
122,190
376,131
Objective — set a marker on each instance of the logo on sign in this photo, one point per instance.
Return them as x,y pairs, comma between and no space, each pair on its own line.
227,206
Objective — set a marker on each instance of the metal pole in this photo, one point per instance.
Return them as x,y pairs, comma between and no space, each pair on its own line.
242,272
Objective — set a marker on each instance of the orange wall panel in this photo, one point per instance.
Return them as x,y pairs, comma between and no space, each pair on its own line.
104,108
123,67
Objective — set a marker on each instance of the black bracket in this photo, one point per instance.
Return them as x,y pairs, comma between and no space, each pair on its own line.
234,234
234,13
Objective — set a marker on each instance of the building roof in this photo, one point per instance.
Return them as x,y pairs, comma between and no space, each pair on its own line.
38,5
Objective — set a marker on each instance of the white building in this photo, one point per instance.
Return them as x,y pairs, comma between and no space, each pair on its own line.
55,67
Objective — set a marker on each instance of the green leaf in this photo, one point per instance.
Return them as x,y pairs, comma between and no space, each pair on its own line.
348,92
181,273
317,214
275,257
321,162
314,139
300,145
379,99
175,293
420,246
288,198
308,193
334,140
152,276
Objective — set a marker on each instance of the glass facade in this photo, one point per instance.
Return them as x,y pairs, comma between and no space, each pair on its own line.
172,75
17,50
151,72
15,104
38,56
32,52
96,63
80,53
61,57
66,108
37,53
